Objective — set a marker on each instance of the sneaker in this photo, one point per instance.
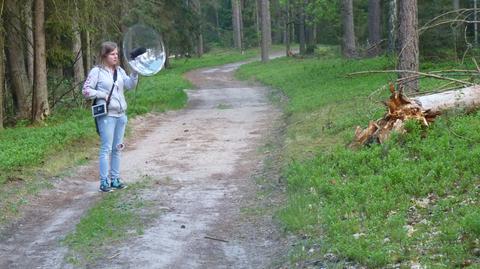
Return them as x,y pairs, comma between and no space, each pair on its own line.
104,187
116,184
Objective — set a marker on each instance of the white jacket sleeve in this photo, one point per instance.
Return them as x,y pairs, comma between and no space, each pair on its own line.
89,90
129,81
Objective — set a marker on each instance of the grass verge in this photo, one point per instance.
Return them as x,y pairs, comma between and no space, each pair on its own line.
118,216
413,201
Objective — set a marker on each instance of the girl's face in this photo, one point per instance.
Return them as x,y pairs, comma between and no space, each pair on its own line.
112,58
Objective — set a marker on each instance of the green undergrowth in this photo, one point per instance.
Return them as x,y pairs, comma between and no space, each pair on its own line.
116,218
412,201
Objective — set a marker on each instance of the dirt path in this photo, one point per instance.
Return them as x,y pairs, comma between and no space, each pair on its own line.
205,158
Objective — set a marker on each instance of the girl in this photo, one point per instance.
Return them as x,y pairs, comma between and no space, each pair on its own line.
106,83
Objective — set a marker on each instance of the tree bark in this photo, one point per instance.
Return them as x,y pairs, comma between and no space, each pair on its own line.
456,35
374,34
456,4
465,98
2,72
217,22
29,35
392,26
240,16
349,47
310,35
40,107
237,36
167,56
17,72
475,25
269,24
277,32
78,70
287,28
258,21
198,11
88,51
200,45
265,29
301,29
408,42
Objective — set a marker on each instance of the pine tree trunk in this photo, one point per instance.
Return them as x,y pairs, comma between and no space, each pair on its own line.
237,37
456,4
349,47
240,16
269,24
40,107
475,25
392,26
78,70
408,42
456,34
277,33
88,51
16,63
29,35
265,30
197,9
287,28
167,56
301,29
258,20
200,45
374,34
2,72
217,23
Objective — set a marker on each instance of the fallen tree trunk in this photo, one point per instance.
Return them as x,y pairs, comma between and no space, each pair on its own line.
463,98
423,109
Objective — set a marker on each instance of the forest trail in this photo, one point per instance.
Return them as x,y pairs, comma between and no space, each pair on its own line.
204,159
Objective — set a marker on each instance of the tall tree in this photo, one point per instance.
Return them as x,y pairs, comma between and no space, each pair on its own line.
265,29
198,13
269,24
236,22
2,66
374,29
456,36
287,28
301,27
277,22
475,24
28,20
88,50
408,43
40,106
78,69
17,71
456,4
349,49
392,26
310,28
216,7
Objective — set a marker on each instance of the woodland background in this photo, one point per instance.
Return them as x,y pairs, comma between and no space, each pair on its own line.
47,46
411,202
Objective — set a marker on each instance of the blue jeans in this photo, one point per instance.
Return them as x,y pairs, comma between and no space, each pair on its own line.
112,130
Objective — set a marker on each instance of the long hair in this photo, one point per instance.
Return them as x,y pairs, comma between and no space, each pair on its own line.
105,49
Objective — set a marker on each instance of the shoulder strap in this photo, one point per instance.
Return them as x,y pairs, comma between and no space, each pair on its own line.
113,86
